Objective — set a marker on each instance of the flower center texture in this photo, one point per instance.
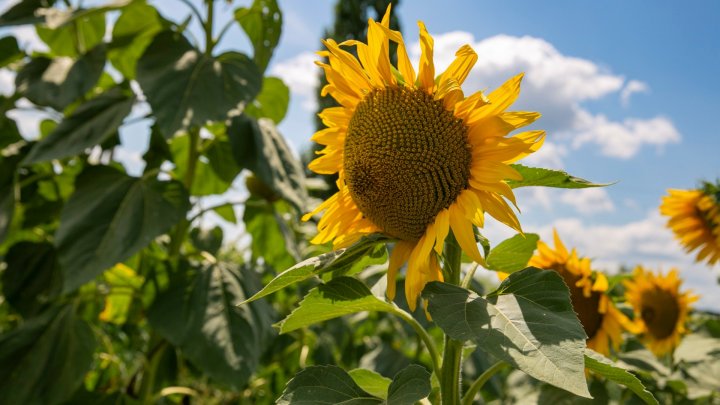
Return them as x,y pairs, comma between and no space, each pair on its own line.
406,159
660,312
586,308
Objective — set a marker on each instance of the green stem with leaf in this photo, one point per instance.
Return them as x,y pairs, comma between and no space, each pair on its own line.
478,384
452,353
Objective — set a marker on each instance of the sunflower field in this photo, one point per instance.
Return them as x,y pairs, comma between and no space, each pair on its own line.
223,266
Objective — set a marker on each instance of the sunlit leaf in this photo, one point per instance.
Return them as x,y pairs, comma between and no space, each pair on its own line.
123,282
272,102
535,176
528,322
512,254
325,385
371,382
338,260
226,212
201,317
186,87
73,39
600,365
92,123
32,277
340,296
43,361
262,23
132,33
110,217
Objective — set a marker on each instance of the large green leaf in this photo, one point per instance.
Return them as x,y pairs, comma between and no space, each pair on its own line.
409,386
528,322
186,87
272,102
370,381
263,223
110,217
76,37
9,51
32,277
600,365
132,33
24,13
92,123
340,296
201,317
44,360
329,385
207,181
341,260
262,23
59,82
512,254
535,176
258,146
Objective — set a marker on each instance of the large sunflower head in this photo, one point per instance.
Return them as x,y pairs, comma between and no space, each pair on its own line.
415,157
602,321
660,308
695,220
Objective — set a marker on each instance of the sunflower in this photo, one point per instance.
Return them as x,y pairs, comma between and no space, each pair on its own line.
602,321
695,219
660,308
415,157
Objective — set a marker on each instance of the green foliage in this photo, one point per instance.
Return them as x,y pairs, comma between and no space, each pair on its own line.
600,365
262,23
512,254
535,176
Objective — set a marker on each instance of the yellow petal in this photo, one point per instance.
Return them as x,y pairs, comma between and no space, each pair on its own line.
426,75
398,257
463,231
459,69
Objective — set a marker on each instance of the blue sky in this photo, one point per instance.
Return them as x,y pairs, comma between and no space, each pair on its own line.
628,90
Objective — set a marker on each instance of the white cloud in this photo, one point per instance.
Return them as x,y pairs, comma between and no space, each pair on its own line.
27,39
549,156
588,200
624,139
300,74
633,86
27,118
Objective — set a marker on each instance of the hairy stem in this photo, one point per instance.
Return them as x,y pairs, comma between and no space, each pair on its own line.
452,353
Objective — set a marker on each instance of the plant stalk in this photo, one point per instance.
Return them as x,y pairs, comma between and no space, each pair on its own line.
452,353
478,384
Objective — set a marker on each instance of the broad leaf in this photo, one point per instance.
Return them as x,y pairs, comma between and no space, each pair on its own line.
534,176
9,51
207,181
123,283
44,360
32,277
92,123
528,322
110,217
132,33
24,12
59,82
202,318
268,240
75,38
600,365
259,147
512,254
186,87
272,102
262,23
338,260
370,381
409,386
324,385
340,296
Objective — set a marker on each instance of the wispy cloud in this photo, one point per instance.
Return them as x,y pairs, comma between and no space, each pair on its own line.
300,74
632,87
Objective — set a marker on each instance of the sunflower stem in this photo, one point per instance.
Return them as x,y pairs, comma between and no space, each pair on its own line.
452,353
478,384
424,336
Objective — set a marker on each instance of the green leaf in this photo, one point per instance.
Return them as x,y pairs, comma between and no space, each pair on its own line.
7,209
9,133
409,386
110,217
535,176
9,51
371,382
513,254
259,147
338,260
44,360
207,182
122,282
32,277
208,240
600,365
75,38
59,82
226,212
132,33
268,241
221,160
201,317
262,23
340,296
92,123
24,13
528,322
186,87
329,385
272,102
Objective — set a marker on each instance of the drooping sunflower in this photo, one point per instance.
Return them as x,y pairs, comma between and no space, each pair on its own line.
602,321
695,220
415,157
661,310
